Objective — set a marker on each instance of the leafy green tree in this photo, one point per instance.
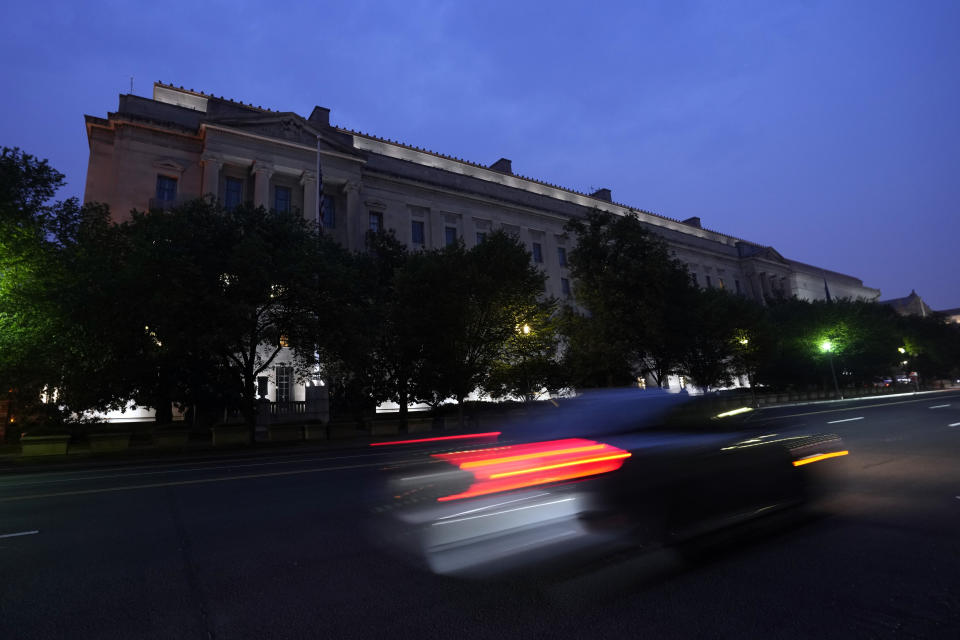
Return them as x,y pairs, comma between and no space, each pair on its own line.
470,302
219,292
632,293
55,259
528,363
717,324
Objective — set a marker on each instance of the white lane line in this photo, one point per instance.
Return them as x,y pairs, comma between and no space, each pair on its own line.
845,420
955,424
21,533
939,406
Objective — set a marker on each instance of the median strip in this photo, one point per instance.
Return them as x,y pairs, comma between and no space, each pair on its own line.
845,420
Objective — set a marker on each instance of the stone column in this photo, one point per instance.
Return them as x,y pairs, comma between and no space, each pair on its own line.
308,179
262,172
211,174
357,222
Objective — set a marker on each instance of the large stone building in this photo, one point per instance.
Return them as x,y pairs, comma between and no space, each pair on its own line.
183,144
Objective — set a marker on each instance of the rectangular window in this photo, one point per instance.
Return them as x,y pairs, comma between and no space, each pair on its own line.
736,283
328,216
262,386
481,236
284,384
537,253
166,188
450,236
565,287
376,221
693,278
233,193
417,235
709,284
281,199
720,282
562,256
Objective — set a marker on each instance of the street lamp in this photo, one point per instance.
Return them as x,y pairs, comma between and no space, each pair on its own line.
827,347
906,369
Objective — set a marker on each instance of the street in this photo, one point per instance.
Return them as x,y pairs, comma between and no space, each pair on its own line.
276,545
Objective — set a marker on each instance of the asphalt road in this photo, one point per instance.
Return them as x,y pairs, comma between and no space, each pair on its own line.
275,546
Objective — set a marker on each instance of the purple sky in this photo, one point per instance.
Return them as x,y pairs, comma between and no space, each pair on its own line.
828,130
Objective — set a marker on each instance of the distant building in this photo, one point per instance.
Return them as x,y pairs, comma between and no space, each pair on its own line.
950,315
911,305
184,144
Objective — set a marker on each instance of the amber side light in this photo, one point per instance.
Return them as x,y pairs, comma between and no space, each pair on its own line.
818,457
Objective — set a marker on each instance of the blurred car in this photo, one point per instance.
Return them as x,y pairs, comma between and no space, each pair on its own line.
598,473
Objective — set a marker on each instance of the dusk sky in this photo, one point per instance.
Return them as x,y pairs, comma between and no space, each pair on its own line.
828,130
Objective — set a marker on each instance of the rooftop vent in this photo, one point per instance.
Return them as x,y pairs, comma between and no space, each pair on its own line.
693,222
602,194
503,165
320,116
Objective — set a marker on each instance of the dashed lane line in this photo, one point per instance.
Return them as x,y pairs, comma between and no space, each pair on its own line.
955,424
845,420
939,406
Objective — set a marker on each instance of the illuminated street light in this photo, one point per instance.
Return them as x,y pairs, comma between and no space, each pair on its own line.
827,347
901,350
526,329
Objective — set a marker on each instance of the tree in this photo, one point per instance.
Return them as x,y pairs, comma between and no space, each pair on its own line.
470,302
54,342
528,363
632,293
717,323
219,293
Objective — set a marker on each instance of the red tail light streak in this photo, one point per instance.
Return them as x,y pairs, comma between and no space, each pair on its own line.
528,465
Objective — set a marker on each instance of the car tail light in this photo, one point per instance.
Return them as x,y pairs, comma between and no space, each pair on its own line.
527,465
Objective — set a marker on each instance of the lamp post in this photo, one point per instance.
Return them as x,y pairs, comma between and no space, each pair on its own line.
827,347
524,332
906,369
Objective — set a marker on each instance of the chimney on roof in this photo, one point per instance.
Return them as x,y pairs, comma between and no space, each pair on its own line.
602,194
693,222
320,116
503,165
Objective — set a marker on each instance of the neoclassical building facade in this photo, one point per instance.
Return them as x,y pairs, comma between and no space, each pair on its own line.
183,144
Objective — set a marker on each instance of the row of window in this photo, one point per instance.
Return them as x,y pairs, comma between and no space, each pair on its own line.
720,283
418,237
233,195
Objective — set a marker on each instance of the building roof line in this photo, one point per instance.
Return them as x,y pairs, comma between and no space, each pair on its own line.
210,96
470,163
437,154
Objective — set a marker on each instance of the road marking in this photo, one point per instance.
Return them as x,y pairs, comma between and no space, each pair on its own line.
939,406
857,408
186,482
955,424
845,420
21,533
